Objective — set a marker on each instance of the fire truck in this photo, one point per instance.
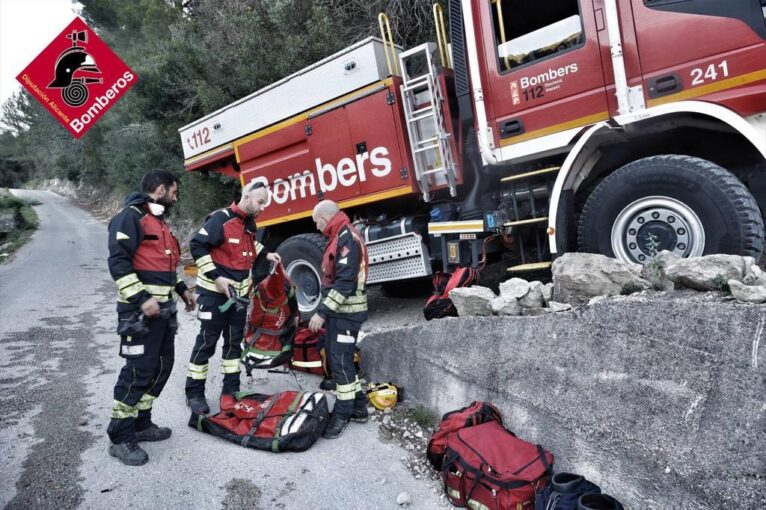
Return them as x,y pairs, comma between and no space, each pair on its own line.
527,129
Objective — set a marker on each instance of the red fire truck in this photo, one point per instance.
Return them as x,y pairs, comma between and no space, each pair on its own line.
621,127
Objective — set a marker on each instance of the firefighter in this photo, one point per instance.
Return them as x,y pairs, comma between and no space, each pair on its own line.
342,311
143,255
225,250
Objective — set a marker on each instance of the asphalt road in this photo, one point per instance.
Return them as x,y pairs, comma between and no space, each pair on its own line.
59,362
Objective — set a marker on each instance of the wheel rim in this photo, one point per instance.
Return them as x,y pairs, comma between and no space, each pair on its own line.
652,224
307,282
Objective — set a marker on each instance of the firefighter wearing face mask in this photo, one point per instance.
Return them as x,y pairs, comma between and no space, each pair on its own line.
225,250
143,256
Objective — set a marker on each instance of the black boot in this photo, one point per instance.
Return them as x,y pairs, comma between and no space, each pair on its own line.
336,427
327,384
129,453
153,433
360,415
198,404
593,501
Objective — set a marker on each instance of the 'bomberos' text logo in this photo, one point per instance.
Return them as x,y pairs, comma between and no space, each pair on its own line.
77,77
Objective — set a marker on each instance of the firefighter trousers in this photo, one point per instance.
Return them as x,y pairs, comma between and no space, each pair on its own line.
340,345
213,323
148,363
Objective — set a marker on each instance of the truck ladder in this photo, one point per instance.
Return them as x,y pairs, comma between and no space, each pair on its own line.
429,141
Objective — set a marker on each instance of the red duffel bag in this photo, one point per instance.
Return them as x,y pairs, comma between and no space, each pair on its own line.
487,466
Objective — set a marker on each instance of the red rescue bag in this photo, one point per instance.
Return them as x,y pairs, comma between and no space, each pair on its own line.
474,414
439,304
487,466
286,421
271,323
306,354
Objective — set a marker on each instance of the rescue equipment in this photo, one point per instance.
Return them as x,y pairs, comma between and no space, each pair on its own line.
383,395
286,421
439,304
474,414
487,466
272,322
306,355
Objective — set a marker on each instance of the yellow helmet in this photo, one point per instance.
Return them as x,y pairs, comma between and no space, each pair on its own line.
382,395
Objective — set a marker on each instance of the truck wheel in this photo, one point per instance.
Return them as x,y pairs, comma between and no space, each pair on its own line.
302,258
682,204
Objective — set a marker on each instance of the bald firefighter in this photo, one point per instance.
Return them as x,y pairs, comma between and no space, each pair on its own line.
225,250
342,311
143,256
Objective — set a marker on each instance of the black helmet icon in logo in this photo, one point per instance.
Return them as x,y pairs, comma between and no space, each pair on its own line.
71,64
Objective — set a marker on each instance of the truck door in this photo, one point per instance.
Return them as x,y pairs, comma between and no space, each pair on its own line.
543,67
694,48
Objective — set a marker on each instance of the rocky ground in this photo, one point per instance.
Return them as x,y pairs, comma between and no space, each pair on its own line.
411,428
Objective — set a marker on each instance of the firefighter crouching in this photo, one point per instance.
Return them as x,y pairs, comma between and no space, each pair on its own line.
342,311
225,250
143,256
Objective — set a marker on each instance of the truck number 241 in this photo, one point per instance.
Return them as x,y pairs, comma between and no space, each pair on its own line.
710,73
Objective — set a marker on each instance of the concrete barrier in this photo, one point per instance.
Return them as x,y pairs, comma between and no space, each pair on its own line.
660,400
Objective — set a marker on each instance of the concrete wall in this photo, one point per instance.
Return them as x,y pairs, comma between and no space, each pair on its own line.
660,401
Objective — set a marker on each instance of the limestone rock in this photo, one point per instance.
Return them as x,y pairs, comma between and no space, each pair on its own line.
403,499
548,292
473,300
754,276
515,288
534,298
505,305
747,293
577,277
710,272
559,307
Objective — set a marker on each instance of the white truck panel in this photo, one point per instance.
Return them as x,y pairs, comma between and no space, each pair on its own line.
356,66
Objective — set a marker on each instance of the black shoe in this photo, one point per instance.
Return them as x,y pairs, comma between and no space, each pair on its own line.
198,405
153,433
129,453
327,384
336,427
360,415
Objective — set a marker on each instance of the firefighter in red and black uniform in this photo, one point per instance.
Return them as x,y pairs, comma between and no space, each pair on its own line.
342,311
225,250
143,256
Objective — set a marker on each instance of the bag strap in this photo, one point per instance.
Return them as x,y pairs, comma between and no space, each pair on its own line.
257,422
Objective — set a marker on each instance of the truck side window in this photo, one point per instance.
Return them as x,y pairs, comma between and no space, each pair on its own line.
530,30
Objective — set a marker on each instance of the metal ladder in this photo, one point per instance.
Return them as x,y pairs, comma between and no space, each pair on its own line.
429,142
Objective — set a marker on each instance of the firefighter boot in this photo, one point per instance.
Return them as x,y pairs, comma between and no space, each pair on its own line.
129,453
228,402
360,414
336,426
153,433
198,404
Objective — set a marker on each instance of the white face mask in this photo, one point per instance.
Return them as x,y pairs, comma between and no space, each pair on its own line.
156,209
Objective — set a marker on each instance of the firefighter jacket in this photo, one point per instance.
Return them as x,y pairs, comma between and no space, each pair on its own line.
344,273
226,246
143,255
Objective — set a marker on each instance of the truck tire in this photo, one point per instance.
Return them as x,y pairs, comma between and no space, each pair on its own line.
682,204
302,259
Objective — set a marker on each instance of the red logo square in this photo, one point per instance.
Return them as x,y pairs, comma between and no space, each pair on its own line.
77,77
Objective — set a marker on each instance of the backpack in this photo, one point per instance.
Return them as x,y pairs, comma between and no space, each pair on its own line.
439,305
271,323
564,491
474,414
286,421
308,354
487,466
